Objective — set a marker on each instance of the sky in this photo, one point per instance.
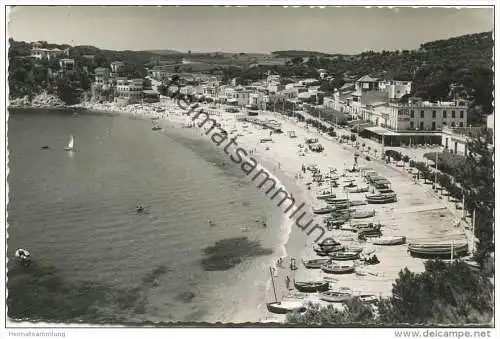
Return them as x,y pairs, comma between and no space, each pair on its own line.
257,29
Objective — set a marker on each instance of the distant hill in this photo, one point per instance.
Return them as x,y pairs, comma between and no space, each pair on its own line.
164,52
302,54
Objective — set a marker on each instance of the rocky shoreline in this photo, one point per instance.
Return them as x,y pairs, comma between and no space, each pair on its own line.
42,100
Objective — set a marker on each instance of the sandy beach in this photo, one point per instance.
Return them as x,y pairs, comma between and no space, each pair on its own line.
419,214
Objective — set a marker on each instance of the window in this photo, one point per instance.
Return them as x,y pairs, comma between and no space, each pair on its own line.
452,114
433,125
421,114
411,125
412,114
434,114
461,124
444,114
444,123
421,125
461,114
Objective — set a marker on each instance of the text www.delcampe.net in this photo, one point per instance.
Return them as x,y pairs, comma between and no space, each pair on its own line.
442,333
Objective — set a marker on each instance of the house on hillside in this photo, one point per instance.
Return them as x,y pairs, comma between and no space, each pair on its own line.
367,83
67,64
40,53
101,76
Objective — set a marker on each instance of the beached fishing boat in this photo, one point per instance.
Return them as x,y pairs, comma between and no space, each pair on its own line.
341,295
382,198
323,210
334,223
344,255
335,268
156,127
312,286
330,249
439,249
314,263
367,227
368,298
364,235
326,196
284,307
357,189
337,201
362,214
357,203
389,240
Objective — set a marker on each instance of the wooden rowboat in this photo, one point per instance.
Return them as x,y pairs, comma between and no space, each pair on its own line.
285,307
368,298
312,286
345,255
339,296
442,249
382,198
335,268
389,240
357,189
315,263
363,214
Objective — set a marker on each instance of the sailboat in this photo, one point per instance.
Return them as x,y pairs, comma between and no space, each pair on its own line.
70,144
283,307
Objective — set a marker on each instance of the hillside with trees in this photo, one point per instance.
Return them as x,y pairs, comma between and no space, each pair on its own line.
463,63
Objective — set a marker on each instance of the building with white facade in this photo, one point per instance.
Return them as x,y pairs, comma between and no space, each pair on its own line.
128,91
67,64
40,53
101,76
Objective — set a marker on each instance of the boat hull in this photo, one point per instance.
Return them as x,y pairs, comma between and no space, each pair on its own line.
344,256
389,241
338,269
279,308
312,287
437,250
335,297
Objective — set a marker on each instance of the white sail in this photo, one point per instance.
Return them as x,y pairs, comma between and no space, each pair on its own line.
70,143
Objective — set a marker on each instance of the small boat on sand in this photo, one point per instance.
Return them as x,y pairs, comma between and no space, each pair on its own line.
357,189
284,307
389,240
343,294
364,235
335,268
326,196
323,210
357,202
367,227
312,286
383,198
363,214
156,127
368,298
344,255
315,263
439,249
